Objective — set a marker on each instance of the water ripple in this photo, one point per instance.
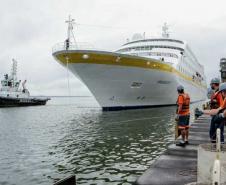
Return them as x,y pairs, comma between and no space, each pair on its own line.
40,145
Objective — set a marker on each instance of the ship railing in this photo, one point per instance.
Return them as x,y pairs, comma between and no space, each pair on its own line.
62,46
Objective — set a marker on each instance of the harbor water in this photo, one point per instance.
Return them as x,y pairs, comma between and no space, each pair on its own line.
42,144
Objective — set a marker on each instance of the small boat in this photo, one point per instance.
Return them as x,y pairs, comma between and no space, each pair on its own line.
11,95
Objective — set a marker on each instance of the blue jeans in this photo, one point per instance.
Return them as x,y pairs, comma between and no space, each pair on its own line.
214,125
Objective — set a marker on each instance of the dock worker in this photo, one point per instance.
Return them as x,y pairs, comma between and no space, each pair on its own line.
183,115
216,101
219,114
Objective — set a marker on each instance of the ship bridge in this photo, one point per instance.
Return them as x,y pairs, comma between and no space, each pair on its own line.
168,50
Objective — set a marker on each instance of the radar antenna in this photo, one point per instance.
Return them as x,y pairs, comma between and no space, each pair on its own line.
165,31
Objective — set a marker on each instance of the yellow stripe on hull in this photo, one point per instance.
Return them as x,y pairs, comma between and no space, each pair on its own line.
109,58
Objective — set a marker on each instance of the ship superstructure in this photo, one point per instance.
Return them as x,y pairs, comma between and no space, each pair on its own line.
142,73
10,84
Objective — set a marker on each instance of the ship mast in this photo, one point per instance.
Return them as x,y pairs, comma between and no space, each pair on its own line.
165,31
14,72
70,33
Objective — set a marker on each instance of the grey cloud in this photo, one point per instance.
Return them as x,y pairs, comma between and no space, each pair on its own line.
29,29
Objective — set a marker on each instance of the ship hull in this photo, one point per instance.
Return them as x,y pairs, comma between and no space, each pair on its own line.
21,102
111,86
130,83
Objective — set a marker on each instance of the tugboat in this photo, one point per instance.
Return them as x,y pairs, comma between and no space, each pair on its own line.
12,96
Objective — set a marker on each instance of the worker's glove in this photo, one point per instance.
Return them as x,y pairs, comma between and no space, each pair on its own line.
218,118
221,115
177,117
198,113
201,113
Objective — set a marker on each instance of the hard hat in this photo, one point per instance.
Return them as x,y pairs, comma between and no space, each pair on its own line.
180,88
210,92
222,87
215,81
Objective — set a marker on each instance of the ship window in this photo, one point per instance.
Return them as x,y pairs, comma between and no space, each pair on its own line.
136,85
151,53
4,83
161,40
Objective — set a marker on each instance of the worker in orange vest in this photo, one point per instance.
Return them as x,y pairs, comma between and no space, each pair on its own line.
216,101
218,114
183,115
216,98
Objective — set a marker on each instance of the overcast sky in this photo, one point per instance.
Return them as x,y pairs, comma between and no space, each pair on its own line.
29,30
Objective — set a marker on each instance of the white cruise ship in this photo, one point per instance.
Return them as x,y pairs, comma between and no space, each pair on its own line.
142,73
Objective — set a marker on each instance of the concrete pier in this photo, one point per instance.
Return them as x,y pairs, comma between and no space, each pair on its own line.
178,165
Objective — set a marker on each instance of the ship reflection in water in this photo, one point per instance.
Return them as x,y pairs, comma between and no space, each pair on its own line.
40,145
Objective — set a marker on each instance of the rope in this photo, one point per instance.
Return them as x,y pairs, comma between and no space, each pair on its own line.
68,82
103,26
74,39
141,119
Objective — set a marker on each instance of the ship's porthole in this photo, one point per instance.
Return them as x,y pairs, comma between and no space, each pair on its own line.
136,85
85,56
112,98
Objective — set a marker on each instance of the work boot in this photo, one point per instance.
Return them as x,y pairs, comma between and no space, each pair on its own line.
181,143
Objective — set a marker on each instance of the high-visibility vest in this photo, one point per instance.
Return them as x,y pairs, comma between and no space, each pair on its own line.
214,103
186,103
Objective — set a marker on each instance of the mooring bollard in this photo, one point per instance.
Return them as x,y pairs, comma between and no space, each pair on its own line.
71,180
212,162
